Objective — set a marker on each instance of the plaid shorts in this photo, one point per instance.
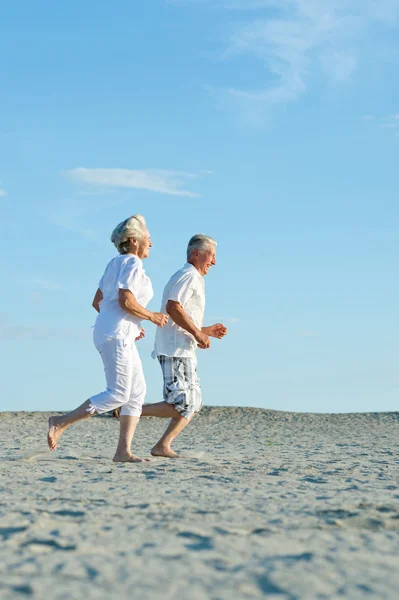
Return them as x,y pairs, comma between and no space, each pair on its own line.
181,385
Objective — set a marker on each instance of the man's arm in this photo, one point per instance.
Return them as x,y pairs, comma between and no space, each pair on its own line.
180,317
217,330
97,299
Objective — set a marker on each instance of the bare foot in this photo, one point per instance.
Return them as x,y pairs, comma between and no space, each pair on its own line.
163,451
128,457
54,432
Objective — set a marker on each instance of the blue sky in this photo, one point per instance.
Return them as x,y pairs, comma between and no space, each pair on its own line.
271,126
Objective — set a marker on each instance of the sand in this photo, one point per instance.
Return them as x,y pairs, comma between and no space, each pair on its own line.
263,504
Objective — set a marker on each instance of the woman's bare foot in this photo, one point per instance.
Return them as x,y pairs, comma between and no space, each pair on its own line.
57,425
55,429
129,457
159,450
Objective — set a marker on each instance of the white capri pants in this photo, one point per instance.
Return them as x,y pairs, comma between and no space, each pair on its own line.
124,375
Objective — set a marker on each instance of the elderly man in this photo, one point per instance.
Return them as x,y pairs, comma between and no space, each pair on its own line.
175,344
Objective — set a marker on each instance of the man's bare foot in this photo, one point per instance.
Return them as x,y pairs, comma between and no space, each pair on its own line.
55,429
163,451
129,457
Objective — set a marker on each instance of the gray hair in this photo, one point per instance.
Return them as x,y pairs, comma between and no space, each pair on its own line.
133,227
201,243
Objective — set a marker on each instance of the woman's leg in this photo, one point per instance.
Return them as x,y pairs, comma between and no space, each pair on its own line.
130,412
123,451
117,359
57,425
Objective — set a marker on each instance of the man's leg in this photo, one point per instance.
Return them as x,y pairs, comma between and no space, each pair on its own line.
162,410
176,425
181,389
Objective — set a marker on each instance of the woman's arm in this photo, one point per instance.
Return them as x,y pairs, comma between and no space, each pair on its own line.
97,299
180,317
128,302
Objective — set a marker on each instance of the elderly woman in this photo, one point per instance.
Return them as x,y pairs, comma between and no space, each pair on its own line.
123,293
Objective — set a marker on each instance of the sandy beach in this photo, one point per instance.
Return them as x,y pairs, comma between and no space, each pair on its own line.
261,504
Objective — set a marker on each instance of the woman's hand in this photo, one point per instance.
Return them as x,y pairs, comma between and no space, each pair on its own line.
97,299
159,319
141,336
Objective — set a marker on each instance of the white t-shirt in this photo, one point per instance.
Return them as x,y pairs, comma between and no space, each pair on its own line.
186,287
124,272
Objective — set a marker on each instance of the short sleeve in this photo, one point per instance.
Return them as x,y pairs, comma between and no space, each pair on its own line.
101,283
182,290
130,276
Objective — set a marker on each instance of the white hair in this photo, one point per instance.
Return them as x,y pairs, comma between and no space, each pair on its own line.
201,243
133,227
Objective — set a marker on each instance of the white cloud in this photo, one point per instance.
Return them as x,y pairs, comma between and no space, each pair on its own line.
155,180
299,40
339,65
224,319
67,222
307,333
78,216
381,122
96,192
71,214
2,193
14,331
230,4
46,284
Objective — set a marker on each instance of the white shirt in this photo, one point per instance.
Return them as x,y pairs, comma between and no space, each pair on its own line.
124,272
186,287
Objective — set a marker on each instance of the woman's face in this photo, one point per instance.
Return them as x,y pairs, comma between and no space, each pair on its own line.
143,246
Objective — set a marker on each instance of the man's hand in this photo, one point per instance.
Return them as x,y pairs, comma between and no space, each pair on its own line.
159,319
217,331
142,334
202,340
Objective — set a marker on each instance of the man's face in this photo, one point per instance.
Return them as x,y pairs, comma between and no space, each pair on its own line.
206,260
